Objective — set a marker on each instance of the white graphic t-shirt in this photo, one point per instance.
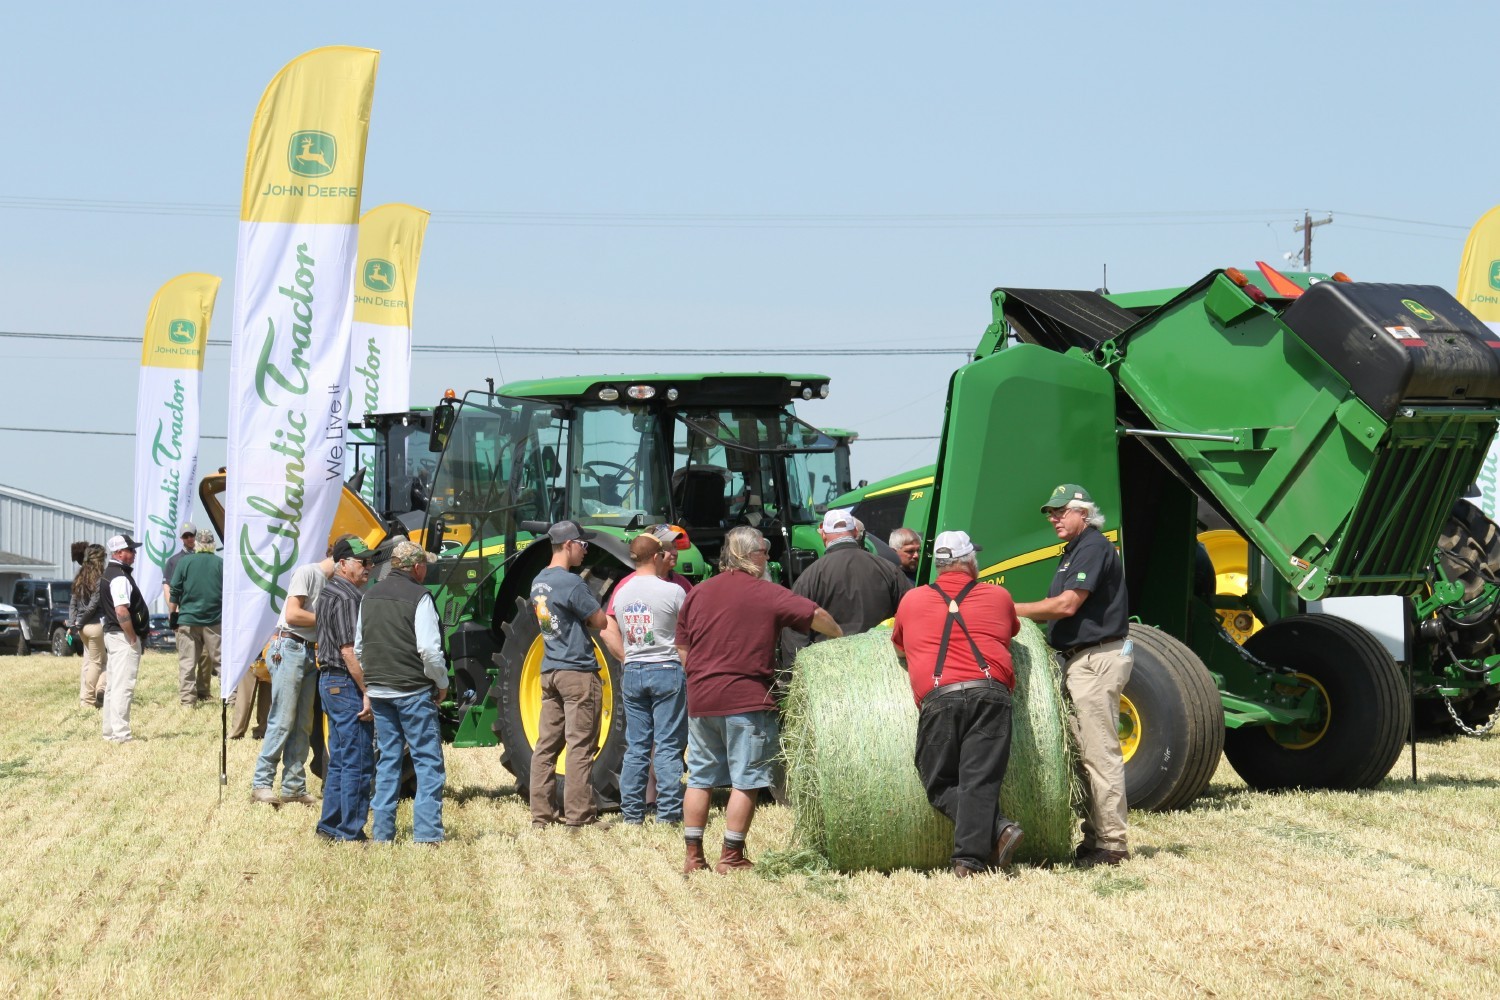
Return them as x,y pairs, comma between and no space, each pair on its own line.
646,608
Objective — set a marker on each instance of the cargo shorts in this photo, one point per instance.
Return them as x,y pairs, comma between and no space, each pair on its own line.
734,750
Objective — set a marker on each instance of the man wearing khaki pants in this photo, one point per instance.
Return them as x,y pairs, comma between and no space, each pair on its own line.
1090,628
197,588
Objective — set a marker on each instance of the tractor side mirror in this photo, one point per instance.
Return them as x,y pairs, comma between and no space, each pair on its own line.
443,416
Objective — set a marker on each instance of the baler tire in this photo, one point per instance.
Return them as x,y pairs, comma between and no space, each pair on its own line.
1368,715
521,635
1181,723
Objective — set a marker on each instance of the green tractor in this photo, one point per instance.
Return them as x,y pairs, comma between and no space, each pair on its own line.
705,452
1331,425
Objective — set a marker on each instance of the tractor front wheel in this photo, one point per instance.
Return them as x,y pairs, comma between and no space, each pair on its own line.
518,696
1363,709
1171,723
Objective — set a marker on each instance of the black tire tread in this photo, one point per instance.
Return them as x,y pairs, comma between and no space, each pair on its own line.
1390,699
1205,716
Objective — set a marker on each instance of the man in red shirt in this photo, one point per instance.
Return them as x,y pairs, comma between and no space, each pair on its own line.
954,637
727,632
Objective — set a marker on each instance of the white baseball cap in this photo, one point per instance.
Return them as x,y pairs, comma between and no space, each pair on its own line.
953,545
119,543
838,520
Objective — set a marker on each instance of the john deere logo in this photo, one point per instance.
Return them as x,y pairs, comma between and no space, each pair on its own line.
1495,274
1419,310
182,331
312,154
380,275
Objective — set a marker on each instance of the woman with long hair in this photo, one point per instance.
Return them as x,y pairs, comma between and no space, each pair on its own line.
83,613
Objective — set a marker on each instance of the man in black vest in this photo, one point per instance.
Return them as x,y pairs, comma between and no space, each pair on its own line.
125,617
400,645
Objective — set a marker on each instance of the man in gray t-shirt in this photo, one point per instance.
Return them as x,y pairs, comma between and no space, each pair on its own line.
572,693
644,633
294,681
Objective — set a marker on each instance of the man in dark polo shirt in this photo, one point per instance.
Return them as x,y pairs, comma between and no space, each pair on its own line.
400,650
341,685
572,691
727,632
1090,625
954,637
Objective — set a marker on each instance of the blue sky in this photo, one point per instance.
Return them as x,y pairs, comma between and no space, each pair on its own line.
699,175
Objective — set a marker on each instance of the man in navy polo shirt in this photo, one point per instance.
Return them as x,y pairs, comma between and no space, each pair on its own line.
1089,618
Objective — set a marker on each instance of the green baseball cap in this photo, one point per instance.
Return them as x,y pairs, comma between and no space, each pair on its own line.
1066,494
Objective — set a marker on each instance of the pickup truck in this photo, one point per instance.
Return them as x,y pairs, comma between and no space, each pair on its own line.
42,606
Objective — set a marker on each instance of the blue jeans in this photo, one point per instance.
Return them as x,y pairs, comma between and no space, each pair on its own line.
655,712
409,721
351,759
289,726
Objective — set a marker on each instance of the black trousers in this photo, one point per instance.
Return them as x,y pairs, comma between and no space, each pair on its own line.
963,747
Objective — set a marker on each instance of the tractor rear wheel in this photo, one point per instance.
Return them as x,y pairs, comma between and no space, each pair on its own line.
518,697
1171,723
1365,709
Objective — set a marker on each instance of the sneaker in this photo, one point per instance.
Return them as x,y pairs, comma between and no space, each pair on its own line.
265,795
302,799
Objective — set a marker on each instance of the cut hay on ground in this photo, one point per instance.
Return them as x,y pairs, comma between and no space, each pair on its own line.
848,736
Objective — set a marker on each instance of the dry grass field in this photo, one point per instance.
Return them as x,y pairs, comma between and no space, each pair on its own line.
125,873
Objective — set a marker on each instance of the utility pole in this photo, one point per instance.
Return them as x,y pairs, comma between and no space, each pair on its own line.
1305,227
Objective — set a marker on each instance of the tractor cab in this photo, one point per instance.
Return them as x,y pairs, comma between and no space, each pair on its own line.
705,452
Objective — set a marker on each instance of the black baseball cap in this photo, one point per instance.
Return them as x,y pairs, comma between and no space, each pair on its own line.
352,548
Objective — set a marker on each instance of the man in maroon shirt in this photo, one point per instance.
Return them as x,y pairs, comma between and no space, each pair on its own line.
727,632
954,637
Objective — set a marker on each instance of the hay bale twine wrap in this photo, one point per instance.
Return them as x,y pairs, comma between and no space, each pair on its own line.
849,733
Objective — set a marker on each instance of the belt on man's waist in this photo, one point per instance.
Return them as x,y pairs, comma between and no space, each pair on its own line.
982,682
336,671
1072,651
284,634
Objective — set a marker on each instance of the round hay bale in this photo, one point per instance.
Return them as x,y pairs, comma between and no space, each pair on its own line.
849,733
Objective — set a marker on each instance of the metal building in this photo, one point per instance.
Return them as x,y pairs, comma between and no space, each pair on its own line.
37,534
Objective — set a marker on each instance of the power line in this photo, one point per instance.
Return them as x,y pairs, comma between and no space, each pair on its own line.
121,434
734,352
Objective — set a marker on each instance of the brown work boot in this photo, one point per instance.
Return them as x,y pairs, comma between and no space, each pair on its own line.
964,871
695,862
1010,838
265,796
1103,856
302,799
732,859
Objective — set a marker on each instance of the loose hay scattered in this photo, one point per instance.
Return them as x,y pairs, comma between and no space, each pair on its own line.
848,735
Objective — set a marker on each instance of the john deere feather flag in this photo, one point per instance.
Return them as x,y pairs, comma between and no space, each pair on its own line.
1479,291
293,308
390,248
166,420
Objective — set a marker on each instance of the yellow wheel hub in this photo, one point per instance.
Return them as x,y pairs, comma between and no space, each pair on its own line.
1231,558
530,698
1130,728
1297,738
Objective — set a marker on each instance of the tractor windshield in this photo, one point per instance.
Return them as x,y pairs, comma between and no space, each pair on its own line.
621,467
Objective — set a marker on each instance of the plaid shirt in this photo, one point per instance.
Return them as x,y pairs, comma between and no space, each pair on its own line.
337,609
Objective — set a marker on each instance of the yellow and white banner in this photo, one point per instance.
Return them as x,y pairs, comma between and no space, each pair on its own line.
293,309
385,284
166,420
1479,291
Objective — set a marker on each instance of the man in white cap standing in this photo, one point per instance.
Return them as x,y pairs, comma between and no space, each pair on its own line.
860,590
954,637
126,618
